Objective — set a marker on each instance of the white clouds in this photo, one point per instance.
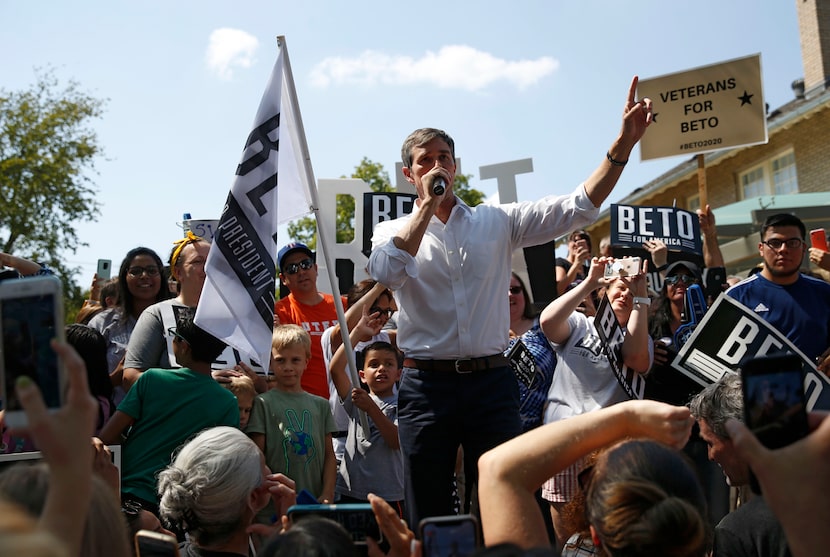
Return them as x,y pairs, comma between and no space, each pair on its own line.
452,67
229,49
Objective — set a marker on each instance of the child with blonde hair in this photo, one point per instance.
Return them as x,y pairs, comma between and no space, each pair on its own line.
290,426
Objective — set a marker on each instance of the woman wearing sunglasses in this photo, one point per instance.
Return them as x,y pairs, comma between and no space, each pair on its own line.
667,315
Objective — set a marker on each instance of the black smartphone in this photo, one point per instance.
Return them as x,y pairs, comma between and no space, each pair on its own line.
449,536
357,518
775,406
155,544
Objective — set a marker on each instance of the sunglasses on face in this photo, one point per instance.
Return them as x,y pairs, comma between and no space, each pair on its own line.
775,243
387,312
515,290
149,270
685,279
294,268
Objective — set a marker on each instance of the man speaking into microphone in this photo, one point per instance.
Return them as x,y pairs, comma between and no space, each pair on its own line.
448,266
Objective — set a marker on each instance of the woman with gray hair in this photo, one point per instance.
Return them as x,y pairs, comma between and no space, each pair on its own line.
213,489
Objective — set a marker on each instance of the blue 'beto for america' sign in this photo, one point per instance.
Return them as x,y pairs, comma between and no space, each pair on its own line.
632,225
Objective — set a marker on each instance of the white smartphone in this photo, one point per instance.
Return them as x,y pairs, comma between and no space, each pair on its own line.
155,544
625,267
31,315
104,271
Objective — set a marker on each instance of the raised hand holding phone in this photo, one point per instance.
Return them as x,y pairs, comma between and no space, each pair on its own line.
775,407
31,315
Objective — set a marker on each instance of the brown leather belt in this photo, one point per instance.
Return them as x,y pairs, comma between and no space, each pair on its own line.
467,365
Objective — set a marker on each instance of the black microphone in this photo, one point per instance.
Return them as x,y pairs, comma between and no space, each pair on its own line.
438,186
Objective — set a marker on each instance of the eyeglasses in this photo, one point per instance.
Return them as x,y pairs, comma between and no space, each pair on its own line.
387,312
294,268
175,334
149,270
515,290
685,279
775,244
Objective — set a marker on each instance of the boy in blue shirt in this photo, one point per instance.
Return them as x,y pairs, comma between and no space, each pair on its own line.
372,461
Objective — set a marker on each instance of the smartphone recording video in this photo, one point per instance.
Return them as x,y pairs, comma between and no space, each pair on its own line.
775,407
774,401
357,518
31,315
626,267
449,536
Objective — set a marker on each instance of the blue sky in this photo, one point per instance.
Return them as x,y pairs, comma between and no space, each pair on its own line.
540,79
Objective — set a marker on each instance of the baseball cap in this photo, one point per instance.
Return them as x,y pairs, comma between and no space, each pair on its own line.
694,269
288,249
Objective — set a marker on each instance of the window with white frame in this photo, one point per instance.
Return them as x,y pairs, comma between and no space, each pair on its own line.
775,176
693,202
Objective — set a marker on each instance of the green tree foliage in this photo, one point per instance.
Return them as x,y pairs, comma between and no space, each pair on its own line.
305,229
47,156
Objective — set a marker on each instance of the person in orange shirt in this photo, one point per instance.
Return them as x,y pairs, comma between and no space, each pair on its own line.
305,306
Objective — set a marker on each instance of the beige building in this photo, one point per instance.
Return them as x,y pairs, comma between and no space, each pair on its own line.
790,173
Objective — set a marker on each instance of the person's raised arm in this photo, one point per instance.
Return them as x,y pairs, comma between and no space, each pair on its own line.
366,327
795,481
23,266
712,255
63,438
659,255
554,318
510,474
636,118
354,312
635,352
565,278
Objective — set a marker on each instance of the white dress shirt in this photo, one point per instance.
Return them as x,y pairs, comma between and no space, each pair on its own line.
452,296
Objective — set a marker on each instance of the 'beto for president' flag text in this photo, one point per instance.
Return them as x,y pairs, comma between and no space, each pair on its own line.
237,302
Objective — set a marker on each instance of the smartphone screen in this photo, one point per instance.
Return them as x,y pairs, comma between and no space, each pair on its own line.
357,518
774,401
28,326
450,536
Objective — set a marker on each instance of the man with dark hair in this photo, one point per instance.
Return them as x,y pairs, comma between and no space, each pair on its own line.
752,529
448,266
165,407
794,303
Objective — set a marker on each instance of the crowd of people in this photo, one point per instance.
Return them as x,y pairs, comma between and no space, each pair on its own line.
449,393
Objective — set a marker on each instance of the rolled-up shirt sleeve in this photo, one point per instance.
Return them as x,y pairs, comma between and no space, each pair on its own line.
388,264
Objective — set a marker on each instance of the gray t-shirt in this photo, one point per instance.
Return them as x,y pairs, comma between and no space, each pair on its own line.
583,380
149,345
370,465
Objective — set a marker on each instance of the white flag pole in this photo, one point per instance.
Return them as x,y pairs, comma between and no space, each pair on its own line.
321,231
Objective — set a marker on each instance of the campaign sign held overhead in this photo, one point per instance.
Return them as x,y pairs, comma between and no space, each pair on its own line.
705,109
633,225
